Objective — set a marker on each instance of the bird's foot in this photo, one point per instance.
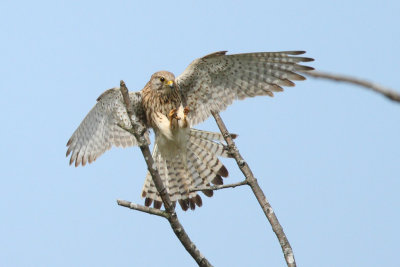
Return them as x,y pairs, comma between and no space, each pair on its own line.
173,114
186,111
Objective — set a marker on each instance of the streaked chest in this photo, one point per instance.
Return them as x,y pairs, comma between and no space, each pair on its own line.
155,102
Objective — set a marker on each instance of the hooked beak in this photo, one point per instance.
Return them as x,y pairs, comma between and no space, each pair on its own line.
170,84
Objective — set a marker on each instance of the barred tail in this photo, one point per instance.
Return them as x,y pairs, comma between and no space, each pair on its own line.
202,167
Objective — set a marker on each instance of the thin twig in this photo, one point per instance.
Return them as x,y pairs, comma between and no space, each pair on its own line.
169,207
218,187
262,200
387,92
149,210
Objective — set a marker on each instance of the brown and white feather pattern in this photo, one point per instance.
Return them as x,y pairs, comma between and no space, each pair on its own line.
185,157
99,130
201,168
155,101
213,82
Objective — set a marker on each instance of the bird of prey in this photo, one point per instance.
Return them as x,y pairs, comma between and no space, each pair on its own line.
185,157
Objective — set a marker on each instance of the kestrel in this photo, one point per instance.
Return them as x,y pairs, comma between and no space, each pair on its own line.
185,157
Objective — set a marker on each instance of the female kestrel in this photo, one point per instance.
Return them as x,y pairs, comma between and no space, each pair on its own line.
185,157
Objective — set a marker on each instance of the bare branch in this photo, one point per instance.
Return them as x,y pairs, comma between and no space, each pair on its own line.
169,207
262,200
218,187
145,209
387,92
146,152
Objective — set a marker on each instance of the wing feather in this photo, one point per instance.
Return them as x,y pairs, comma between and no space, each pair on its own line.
213,82
99,130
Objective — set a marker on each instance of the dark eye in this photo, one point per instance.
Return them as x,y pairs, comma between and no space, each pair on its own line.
162,79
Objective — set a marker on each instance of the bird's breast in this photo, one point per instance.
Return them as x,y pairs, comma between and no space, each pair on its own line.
158,103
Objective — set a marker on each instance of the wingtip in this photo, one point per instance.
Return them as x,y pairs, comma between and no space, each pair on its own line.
303,68
308,59
286,82
294,52
71,161
91,158
300,78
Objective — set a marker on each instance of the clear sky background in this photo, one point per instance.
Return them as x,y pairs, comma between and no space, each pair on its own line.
326,155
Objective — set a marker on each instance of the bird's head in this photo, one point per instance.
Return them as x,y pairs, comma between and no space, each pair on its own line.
163,82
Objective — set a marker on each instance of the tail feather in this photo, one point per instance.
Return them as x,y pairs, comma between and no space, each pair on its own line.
184,203
205,173
194,173
199,166
172,178
208,192
206,135
217,180
157,204
212,136
178,184
215,148
209,159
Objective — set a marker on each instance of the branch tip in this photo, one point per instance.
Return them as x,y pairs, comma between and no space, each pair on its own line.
387,92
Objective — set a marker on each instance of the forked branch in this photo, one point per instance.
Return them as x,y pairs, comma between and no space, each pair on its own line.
262,200
169,207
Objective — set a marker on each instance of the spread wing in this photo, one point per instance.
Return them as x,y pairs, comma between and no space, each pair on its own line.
99,130
211,83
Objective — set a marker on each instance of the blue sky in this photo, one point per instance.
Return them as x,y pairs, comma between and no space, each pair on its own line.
327,155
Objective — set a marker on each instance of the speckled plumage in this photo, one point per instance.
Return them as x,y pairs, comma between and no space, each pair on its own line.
214,81
99,130
185,157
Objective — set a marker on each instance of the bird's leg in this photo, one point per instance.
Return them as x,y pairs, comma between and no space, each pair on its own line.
173,114
185,112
